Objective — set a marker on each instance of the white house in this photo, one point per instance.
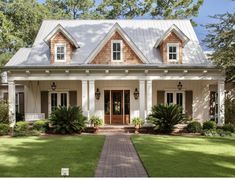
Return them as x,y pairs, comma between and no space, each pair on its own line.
116,69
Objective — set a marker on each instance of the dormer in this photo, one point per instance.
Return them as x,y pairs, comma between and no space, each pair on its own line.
171,45
61,44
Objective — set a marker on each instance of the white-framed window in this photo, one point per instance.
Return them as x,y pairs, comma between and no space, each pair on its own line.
116,50
175,97
57,99
173,52
60,52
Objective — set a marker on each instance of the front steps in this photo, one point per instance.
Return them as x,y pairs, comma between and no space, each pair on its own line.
116,129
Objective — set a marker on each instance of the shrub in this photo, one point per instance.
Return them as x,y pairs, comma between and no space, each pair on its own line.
40,125
229,109
209,125
21,128
137,121
216,132
165,117
65,120
194,127
4,118
4,129
96,121
229,127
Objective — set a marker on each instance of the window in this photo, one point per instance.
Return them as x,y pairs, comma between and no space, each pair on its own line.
58,99
172,52
60,52
175,97
116,50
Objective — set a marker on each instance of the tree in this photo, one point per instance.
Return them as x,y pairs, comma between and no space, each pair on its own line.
221,39
75,8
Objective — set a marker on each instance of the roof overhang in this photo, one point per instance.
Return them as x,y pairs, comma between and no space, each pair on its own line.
177,31
61,29
117,28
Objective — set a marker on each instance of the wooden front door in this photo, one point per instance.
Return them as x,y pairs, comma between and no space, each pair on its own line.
117,106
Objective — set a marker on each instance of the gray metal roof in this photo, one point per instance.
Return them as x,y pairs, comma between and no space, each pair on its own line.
89,34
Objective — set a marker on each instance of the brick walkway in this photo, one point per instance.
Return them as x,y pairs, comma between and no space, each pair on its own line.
119,159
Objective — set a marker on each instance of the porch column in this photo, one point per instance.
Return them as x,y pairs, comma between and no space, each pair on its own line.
91,98
84,98
220,103
11,101
149,96
142,99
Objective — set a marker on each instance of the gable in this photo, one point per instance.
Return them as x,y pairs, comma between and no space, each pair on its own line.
104,55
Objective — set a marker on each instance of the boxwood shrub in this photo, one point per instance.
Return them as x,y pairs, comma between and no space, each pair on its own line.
209,125
229,127
40,125
21,128
194,127
4,129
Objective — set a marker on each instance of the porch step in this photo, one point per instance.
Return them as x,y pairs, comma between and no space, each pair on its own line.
115,129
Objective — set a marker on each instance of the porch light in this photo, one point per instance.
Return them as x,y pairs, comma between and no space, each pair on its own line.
97,94
180,86
53,86
136,93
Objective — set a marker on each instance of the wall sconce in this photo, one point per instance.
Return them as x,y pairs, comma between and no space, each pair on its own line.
97,94
53,86
136,93
179,85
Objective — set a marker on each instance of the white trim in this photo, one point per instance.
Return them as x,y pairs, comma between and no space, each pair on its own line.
121,57
174,96
58,99
177,52
177,31
60,28
116,28
65,51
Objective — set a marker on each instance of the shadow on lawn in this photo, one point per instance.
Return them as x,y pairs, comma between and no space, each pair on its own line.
181,158
45,156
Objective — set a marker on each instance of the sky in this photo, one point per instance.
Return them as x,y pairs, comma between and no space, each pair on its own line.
209,8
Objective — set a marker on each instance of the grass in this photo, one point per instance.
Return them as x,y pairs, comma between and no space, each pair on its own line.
175,156
45,156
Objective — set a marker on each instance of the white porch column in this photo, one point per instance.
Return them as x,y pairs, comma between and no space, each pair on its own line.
11,101
91,98
220,103
149,96
142,99
84,98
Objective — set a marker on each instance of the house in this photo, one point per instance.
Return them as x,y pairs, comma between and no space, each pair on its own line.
116,69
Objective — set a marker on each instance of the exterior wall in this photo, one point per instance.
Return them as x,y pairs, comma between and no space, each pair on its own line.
172,38
117,85
60,38
33,92
128,55
201,95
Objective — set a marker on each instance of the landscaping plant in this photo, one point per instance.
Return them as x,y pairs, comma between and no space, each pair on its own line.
65,120
229,127
209,125
40,125
96,121
194,127
138,122
165,117
4,129
21,128
4,112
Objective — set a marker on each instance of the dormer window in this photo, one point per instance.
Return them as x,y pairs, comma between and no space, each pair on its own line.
60,52
116,50
173,52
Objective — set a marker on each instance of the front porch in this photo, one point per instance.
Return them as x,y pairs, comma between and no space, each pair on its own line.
116,103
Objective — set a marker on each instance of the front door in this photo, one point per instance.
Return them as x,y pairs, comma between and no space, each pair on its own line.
117,106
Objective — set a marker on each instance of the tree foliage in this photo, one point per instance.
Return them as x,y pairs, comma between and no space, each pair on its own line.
221,39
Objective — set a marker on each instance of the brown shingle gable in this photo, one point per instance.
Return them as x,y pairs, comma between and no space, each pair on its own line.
128,55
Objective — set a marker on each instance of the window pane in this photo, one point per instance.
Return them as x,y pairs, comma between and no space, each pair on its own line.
173,49
179,99
170,56
63,98
107,102
169,98
114,55
174,56
53,101
127,102
60,53
118,56
114,47
118,47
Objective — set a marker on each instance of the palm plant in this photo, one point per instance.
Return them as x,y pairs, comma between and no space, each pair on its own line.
96,121
165,117
67,120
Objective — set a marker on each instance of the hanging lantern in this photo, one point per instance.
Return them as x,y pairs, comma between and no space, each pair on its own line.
53,86
179,85
136,93
97,94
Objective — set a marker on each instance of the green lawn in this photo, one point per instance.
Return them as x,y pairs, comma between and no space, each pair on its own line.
45,156
175,156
